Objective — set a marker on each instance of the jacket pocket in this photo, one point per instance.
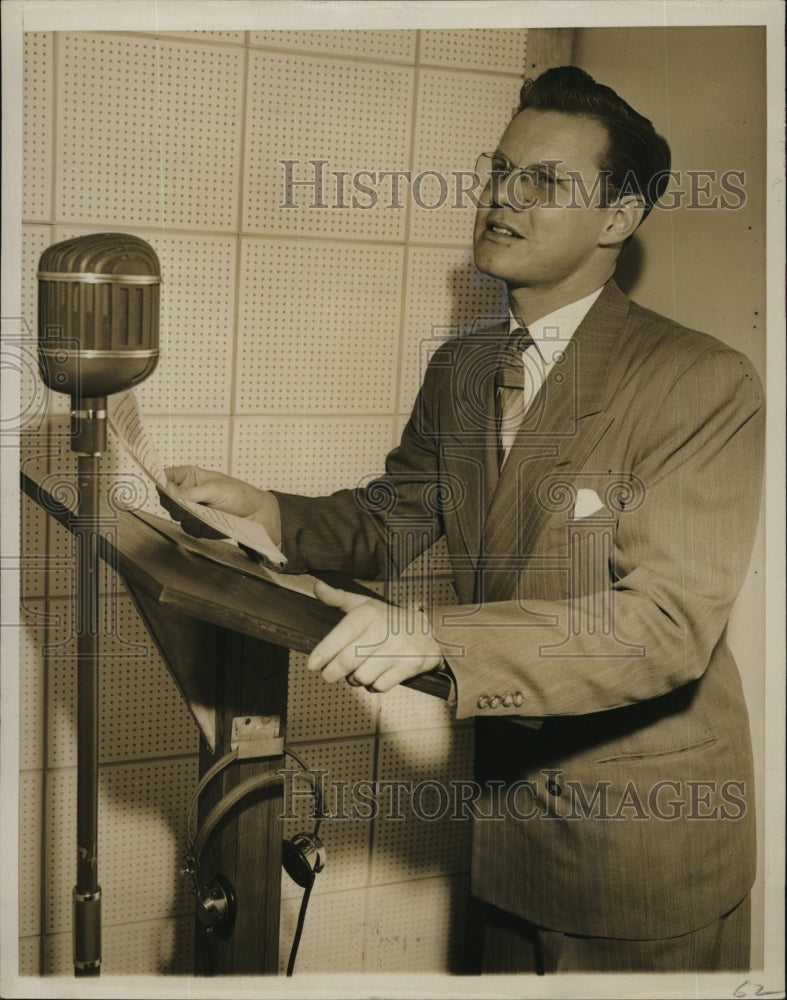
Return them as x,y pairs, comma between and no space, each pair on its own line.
658,754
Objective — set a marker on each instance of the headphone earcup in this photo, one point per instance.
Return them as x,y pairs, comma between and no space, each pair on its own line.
217,907
303,857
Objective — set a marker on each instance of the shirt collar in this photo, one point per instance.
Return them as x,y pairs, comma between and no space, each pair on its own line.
559,325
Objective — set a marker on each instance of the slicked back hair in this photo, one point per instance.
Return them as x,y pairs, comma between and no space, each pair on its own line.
636,160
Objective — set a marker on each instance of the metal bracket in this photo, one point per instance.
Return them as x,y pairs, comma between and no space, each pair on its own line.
257,736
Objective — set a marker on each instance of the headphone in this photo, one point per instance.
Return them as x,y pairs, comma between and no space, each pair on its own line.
303,856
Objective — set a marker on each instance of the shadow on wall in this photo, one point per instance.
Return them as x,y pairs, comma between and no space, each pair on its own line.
630,267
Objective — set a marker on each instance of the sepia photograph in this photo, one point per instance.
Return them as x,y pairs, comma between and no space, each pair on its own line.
392,499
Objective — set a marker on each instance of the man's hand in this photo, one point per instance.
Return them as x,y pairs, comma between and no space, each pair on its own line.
364,650
214,489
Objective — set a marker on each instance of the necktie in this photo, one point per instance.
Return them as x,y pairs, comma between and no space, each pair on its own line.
512,396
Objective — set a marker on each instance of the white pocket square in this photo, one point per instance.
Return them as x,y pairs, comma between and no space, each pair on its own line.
588,502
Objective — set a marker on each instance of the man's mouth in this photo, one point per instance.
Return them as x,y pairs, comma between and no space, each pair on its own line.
498,230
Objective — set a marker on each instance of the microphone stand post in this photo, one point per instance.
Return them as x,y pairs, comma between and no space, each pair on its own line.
88,441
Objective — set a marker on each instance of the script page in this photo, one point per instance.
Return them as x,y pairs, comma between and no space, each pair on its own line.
126,422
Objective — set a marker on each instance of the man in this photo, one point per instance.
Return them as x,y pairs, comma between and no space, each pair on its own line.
599,470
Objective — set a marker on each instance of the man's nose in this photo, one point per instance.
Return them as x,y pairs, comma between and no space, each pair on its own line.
515,189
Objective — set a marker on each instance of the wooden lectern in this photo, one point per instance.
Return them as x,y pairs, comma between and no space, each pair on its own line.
225,637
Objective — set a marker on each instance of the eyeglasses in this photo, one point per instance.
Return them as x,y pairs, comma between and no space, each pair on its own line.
522,187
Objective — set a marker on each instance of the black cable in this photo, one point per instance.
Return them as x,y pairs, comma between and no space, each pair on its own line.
299,927
319,815
319,809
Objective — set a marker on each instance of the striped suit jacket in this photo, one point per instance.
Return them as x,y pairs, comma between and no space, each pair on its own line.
626,809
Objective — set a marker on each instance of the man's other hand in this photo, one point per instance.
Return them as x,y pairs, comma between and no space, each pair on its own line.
365,650
214,489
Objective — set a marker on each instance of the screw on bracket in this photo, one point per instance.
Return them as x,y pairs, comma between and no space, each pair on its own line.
257,736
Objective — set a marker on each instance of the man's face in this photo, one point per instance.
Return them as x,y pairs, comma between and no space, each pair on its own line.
550,244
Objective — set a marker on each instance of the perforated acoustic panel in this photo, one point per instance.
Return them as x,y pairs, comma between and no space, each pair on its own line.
35,563
309,455
115,478
402,708
347,831
176,442
35,399
446,296
32,685
319,327
38,96
30,956
35,239
206,36
397,46
142,810
495,50
148,131
433,835
141,711
122,481
31,835
459,116
352,116
316,709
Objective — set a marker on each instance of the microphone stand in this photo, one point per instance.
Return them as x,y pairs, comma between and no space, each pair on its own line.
98,320
88,425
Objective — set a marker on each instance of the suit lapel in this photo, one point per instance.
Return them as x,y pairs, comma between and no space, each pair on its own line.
468,429
564,424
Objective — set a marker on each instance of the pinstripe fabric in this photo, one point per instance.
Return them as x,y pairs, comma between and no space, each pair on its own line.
611,628
511,945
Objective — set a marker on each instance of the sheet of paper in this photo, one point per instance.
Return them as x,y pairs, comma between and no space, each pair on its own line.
227,553
126,422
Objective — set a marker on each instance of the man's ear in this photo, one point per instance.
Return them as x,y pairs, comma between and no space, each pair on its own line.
623,218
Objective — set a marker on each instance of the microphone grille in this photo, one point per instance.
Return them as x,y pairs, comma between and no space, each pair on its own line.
98,306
